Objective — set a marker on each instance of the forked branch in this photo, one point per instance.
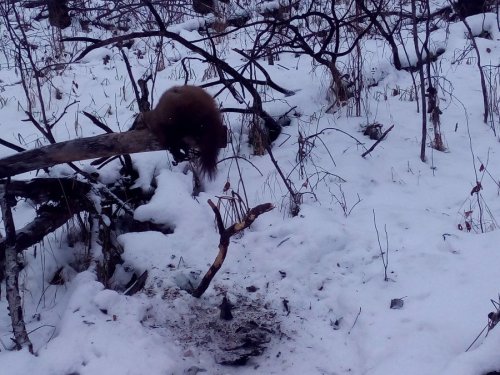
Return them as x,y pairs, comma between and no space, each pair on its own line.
225,236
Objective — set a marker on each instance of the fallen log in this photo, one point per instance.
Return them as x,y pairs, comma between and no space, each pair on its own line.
99,146
43,190
68,197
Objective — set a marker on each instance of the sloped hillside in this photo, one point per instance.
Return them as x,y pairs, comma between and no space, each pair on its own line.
372,128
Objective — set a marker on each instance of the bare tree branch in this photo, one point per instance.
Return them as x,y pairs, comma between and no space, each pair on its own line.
377,142
225,235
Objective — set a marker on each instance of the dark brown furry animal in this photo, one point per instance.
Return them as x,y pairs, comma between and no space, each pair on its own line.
185,119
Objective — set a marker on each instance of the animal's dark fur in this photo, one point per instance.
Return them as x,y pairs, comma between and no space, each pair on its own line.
187,118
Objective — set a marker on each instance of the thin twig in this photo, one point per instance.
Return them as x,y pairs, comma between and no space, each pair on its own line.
97,122
14,147
385,257
355,321
477,337
378,141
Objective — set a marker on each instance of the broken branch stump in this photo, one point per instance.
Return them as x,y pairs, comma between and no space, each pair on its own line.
225,235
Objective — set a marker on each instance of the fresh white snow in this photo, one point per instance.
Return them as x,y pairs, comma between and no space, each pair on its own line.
326,264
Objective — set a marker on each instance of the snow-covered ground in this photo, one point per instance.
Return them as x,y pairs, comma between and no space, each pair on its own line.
318,278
